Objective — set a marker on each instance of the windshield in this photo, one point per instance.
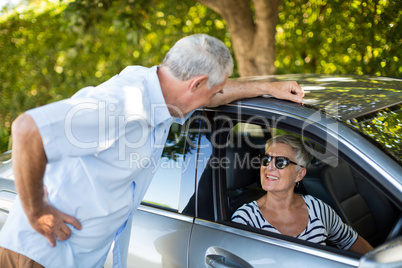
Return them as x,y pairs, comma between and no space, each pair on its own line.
385,127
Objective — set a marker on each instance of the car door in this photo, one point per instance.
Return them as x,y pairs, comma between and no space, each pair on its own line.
161,226
7,188
217,242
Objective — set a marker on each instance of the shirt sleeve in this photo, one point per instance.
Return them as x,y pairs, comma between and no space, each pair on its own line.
241,216
247,215
339,233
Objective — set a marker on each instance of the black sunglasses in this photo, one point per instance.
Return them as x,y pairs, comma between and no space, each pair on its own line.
280,161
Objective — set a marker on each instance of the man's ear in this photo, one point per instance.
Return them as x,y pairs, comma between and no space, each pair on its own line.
198,82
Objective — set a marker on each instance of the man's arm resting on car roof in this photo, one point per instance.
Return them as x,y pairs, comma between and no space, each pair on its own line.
29,164
234,90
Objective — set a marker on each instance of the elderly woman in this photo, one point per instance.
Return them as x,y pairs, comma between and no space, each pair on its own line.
283,211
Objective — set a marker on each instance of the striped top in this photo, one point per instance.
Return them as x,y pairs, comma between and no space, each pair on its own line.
324,224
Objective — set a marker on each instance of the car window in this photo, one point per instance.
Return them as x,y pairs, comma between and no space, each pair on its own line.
200,203
191,161
173,184
331,177
384,127
252,130
165,186
228,176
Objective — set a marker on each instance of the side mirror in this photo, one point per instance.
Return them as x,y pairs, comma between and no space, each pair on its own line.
387,255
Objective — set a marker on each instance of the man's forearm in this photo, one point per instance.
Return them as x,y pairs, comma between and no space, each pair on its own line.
29,164
235,90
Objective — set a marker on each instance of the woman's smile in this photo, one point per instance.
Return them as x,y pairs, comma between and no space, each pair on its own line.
272,177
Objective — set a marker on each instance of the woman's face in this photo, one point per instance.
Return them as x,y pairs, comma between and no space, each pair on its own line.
276,180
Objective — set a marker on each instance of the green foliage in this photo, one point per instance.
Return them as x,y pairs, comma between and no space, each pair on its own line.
334,36
51,49
384,127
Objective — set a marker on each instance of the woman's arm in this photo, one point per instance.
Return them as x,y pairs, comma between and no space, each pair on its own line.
361,246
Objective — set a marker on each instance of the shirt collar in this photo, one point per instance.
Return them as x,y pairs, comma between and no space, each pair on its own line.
159,109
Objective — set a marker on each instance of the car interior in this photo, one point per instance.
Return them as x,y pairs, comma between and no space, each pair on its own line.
357,201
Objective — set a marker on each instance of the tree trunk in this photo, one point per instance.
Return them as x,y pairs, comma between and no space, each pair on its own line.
253,38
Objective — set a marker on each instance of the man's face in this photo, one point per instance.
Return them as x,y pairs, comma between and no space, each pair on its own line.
205,94
200,97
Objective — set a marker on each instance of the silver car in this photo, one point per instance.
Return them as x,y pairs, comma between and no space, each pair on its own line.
353,125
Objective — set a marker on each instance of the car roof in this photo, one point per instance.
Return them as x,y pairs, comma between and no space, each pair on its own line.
341,96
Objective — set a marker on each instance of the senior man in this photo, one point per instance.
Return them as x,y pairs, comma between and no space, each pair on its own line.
76,188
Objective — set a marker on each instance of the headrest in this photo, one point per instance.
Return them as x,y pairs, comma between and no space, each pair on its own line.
243,168
340,180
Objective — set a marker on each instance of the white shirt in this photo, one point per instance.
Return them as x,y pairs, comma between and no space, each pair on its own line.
101,146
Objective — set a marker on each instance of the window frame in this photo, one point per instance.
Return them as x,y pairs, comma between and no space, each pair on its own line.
187,177
293,124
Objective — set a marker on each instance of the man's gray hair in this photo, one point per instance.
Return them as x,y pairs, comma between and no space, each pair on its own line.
199,54
302,156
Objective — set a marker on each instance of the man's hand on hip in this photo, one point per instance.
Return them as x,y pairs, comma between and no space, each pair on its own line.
52,223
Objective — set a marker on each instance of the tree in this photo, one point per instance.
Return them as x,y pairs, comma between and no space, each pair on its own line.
252,29
321,36
332,36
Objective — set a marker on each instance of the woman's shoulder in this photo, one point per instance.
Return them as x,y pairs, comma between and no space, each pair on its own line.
309,199
248,206
315,204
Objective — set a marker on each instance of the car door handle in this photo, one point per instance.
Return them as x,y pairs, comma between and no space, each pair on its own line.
219,261
217,257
